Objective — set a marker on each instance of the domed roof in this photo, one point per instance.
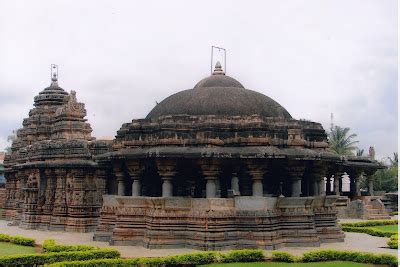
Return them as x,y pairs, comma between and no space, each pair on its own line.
219,95
53,95
218,79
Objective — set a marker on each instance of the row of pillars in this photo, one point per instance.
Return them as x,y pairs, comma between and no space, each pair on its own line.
355,181
211,174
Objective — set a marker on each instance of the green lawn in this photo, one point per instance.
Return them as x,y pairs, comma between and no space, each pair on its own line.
386,228
283,264
10,249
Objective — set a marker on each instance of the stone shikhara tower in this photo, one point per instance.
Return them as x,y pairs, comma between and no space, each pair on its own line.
52,181
212,167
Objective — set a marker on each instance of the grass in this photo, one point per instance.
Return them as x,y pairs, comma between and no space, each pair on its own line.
11,249
386,228
296,264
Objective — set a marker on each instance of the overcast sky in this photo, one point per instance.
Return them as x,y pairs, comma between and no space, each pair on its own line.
313,57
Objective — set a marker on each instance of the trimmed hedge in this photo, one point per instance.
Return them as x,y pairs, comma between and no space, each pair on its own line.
371,223
362,257
238,256
244,255
50,245
280,256
19,240
185,259
364,227
367,230
46,258
393,242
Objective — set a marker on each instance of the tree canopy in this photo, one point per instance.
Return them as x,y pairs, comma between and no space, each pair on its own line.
341,142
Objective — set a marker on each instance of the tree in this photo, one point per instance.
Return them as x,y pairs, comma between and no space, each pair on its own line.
386,179
359,152
394,162
11,138
341,142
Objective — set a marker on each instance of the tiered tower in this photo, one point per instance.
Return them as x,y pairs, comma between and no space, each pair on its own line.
52,181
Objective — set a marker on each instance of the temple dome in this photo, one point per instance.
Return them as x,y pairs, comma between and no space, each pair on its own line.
219,95
52,95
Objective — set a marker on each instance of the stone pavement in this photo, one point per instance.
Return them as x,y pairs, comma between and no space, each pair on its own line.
353,241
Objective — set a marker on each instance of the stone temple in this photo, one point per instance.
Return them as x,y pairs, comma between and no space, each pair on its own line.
218,166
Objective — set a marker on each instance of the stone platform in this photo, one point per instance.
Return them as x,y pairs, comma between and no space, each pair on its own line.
367,208
218,223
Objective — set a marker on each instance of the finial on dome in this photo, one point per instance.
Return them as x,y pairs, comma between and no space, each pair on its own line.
218,69
54,73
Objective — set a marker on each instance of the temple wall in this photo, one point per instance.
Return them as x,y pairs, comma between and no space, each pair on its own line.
55,199
218,223
2,197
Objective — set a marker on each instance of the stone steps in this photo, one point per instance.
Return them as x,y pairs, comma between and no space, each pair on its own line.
374,210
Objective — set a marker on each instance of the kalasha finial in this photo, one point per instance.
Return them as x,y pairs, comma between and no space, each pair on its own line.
218,69
54,73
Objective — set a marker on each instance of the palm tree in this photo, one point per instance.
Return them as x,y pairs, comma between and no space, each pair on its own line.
359,152
341,142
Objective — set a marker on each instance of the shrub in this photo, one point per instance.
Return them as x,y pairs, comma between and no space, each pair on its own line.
195,258
245,255
185,259
334,255
240,255
45,258
367,230
393,242
371,223
20,240
99,262
280,256
51,246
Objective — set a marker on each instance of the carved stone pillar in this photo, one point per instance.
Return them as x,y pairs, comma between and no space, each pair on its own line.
167,171
235,184
101,181
370,186
211,187
19,198
337,178
60,203
256,172
296,174
135,171
327,184
120,178
136,187
318,173
211,174
49,191
121,183
357,185
30,206
321,187
78,193
352,177
315,187
10,194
